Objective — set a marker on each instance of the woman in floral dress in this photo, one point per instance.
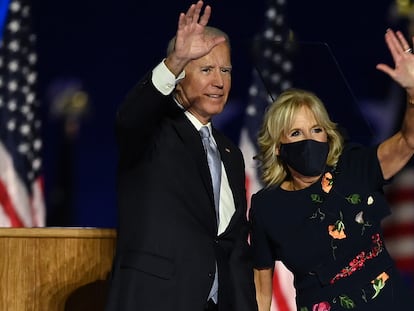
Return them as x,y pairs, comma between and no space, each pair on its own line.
321,210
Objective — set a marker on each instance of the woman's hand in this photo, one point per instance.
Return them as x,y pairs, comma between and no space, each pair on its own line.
401,52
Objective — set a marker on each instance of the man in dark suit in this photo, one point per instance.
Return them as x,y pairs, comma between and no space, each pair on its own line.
174,251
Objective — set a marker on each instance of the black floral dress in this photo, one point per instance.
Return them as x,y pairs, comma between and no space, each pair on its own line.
329,236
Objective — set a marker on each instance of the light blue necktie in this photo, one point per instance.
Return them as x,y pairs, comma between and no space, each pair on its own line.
214,163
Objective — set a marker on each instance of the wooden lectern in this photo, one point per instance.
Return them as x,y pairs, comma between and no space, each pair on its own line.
55,269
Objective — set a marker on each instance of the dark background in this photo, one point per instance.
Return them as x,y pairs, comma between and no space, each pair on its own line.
103,47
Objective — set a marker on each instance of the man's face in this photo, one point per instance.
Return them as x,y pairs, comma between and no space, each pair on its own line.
206,86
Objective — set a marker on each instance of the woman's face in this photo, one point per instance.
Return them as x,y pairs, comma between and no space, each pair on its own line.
304,126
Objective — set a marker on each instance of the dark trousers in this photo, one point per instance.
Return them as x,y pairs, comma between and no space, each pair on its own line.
210,306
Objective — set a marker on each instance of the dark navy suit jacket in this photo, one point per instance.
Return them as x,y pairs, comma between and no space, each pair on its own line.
167,244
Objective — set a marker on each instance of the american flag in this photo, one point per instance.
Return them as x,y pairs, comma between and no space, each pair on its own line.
399,226
270,76
21,187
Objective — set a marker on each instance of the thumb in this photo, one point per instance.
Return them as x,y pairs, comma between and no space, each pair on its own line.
386,69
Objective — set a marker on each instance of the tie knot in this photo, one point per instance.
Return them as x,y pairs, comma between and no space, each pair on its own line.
204,132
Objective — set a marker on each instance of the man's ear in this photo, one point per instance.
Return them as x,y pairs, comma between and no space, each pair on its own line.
178,90
180,96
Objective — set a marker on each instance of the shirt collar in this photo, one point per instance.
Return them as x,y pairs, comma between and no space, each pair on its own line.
197,124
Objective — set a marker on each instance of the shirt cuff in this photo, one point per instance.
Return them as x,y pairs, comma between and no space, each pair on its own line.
164,80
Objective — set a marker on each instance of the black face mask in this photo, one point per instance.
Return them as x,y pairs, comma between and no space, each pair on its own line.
307,157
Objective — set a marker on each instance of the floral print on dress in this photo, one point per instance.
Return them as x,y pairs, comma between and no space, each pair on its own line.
359,218
359,261
337,231
327,182
322,306
354,198
345,302
379,283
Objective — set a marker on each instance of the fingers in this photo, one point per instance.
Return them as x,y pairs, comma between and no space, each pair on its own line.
386,69
393,43
397,43
206,16
193,12
403,43
181,21
197,10
192,16
186,18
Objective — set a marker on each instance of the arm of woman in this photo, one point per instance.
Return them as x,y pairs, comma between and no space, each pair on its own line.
263,282
396,151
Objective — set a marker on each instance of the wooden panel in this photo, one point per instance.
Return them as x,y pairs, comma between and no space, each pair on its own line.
54,268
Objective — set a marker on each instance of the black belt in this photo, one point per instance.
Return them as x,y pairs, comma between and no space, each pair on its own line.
211,306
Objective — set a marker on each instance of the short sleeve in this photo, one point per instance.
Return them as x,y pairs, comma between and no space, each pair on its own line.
364,167
363,161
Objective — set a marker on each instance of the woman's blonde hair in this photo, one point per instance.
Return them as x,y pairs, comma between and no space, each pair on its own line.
278,119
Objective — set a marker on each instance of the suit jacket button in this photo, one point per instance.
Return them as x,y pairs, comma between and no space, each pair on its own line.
216,241
211,275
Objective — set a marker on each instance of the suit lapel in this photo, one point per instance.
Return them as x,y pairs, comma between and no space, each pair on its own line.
192,141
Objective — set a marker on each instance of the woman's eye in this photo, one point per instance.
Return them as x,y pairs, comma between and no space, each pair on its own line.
295,133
